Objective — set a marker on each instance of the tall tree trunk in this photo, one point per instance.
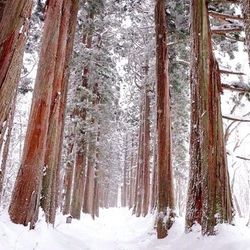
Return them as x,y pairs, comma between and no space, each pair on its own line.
14,24
146,153
57,109
79,180
89,184
139,171
125,175
68,177
153,201
165,201
209,196
97,177
26,195
132,174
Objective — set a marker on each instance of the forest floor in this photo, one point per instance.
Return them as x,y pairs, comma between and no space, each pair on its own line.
116,229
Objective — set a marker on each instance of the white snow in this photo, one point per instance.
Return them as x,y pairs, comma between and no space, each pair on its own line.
116,229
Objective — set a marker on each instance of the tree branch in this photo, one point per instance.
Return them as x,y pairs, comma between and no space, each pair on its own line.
242,158
226,30
225,16
238,89
235,119
225,1
223,71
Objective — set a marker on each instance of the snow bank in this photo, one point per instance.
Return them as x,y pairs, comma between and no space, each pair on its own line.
116,229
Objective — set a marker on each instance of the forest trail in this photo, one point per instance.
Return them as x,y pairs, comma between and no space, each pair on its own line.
116,229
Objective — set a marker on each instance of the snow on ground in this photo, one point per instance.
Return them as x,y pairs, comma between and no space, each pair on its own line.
116,229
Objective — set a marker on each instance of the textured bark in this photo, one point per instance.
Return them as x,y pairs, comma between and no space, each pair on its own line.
209,196
82,202
132,175
57,110
165,201
89,184
139,170
14,26
2,7
146,153
68,178
153,201
26,195
79,180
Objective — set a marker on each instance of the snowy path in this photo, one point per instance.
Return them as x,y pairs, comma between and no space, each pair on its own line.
116,229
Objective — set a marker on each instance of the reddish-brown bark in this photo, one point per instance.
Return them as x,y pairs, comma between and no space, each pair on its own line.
165,201
57,109
146,155
68,177
26,195
88,205
209,196
132,174
139,174
78,186
14,26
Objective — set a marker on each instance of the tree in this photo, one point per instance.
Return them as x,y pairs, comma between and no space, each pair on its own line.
52,161
26,195
14,23
209,196
165,201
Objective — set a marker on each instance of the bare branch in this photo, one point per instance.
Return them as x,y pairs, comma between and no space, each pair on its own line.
223,71
224,16
225,1
226,30
242,158
235,119
238,89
